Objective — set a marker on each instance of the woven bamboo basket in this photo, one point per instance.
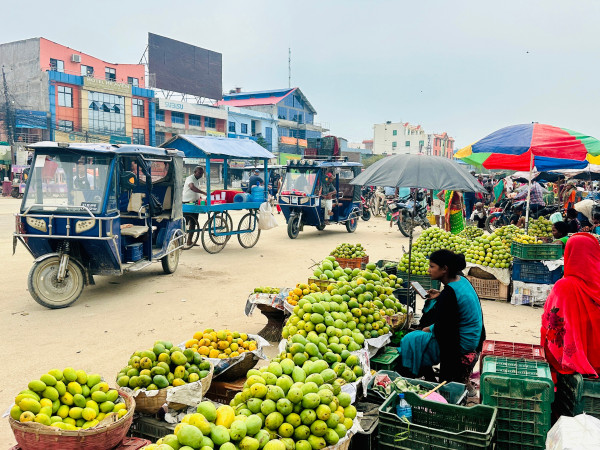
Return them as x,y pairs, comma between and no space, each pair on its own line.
109,433
151,404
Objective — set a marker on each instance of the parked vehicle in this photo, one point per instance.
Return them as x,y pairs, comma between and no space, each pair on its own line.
98,209
402,210
500,216
300,201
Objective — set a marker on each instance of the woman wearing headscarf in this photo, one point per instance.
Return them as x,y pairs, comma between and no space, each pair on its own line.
454,211
570,333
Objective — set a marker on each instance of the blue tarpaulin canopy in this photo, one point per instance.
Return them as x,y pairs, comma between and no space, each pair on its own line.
217,147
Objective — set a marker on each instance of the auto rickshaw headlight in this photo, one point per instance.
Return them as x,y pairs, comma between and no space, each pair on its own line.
84,225
38,224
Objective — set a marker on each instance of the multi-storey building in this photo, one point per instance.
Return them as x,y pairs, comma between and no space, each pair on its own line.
66,95
442,145
396,138
245,123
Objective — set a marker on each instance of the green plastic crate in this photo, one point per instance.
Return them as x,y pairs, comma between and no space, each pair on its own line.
386,360
537,252
576,395
436,425
389,267
423,280
523,392
150,428
454,393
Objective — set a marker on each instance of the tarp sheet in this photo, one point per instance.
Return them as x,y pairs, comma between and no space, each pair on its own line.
202,146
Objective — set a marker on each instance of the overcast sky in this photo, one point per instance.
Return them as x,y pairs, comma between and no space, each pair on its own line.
465,67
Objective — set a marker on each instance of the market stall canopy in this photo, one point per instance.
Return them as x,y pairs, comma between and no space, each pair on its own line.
219,147
512,147
419,171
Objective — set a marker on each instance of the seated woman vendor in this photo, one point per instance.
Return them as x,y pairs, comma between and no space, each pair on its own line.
452,324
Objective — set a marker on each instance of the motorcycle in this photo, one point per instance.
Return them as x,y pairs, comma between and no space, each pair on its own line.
402,210
367,199
499,217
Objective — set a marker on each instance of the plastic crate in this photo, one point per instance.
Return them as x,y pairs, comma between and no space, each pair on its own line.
534,272
436,425
576,394
353,263
386,360
489,289
128,443
369,422
454,393
423,280
224,391
523,392
538,252
403,294
511,350
151,428
391,270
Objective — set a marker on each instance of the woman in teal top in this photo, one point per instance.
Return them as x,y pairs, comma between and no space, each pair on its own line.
452,324
560,231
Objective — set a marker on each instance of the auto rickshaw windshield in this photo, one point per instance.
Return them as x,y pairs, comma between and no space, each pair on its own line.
61,180
299,181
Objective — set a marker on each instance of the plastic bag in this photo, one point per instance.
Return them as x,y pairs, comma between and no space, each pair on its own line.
581,432
266,219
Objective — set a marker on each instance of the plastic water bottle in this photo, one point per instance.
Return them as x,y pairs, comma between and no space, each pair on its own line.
403,409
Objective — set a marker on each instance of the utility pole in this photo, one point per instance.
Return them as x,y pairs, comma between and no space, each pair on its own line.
8,116
289,67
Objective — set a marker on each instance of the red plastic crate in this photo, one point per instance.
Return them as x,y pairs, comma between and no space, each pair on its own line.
511,350
129,443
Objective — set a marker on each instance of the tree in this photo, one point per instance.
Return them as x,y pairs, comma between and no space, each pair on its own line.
368,160
262,142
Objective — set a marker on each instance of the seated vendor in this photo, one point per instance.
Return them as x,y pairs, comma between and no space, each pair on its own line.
560,232
452,331
328,193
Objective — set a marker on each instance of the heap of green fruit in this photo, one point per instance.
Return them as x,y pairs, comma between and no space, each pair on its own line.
335,350
162,366
419,264
281,407
68,399
434,239
329,269
471,232
541,227
489,251
266,290
527,239
507,233
349,251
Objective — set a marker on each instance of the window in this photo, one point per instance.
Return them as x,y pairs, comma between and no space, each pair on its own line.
407,144
232,127
106,113
394,144
57,65
160,138
110,74
65,96
133,81
194,121
210,122
65,125
395,132
177,117
244,128
138,107
421,143
160,115
281,113
87,71
139,136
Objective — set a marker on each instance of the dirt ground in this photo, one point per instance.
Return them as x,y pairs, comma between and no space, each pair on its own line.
120,315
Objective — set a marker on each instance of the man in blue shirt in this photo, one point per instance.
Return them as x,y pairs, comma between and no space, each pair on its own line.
255,180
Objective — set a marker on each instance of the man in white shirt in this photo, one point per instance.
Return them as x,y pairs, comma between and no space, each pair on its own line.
191,188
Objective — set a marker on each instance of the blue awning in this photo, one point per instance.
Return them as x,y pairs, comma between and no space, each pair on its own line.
202,146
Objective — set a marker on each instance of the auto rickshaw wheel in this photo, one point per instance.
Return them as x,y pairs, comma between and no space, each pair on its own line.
321,227
171,260
210,242
293,227
351,225
47,290
249,222
192,232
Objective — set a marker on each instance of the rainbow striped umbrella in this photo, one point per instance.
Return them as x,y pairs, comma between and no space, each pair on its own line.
532,146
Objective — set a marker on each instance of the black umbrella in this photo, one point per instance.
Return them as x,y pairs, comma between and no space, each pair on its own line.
419,171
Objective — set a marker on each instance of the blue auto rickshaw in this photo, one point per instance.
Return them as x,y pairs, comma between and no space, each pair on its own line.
98,209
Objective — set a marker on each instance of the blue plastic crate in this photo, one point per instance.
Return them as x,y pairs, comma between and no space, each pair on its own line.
534,272
134,252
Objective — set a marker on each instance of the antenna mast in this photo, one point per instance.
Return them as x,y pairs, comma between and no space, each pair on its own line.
289,67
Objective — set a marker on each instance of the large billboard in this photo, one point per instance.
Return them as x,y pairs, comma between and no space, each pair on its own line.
180,67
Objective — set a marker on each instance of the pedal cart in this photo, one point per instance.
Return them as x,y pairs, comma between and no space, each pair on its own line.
98,209
300,196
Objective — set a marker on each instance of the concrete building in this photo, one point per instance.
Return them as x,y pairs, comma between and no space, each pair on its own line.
397,138
442,145
66,95
296,125
176,117
245,123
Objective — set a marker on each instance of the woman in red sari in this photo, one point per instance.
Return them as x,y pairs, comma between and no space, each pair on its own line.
571,319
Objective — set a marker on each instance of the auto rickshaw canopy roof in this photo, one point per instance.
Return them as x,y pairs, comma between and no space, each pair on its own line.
121,149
